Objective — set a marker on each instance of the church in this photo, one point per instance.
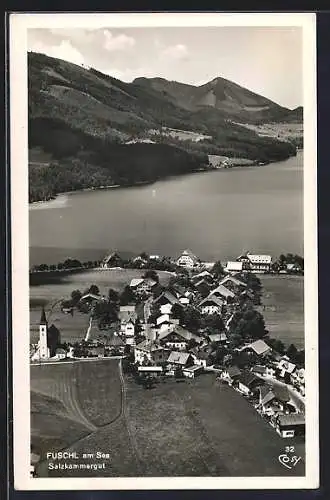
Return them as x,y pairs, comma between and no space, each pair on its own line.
49,338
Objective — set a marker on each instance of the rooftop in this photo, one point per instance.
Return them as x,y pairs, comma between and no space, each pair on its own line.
179,358
222,290
291,419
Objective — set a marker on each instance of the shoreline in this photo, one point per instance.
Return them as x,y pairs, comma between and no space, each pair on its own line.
37,203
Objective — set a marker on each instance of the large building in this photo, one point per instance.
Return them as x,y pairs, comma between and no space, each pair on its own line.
188,260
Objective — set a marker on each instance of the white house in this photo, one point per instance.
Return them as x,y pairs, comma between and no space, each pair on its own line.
234,267
127,316
211,305
188,260
285,367
257,263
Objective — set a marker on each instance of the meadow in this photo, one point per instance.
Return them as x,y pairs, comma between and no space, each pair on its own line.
194,427
283,298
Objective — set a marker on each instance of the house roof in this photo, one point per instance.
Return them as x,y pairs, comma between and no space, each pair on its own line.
234,371
223,291
135,282
291,419
248,379
150,369
179,358
150,282
162,319
200,353
168,296
203,274
212,300
148,346
193,368
115,341
92,296
217,337
234,266
233,280
259,347
259,369
127,308
280,393
286,365
181,332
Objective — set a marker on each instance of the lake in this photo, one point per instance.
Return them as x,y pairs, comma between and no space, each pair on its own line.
217,214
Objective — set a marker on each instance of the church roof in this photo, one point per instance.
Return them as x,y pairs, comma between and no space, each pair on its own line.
43,320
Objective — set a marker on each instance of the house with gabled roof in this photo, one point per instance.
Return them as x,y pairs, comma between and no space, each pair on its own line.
256,263
188,260
223,293
231,374
248,382
211,305
128,317
180,359
234,284
218,337
166,297
259,347
275,399
177,337
150,352
289,426
284,366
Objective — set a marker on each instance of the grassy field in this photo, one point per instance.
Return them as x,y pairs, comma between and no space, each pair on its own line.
73,328
70,401
192,428
200,427
283,298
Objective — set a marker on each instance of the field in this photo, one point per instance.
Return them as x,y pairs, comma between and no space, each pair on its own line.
70,401
192,428
283,298
73,328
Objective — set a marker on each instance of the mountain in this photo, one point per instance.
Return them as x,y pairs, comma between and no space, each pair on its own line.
231,99
84,126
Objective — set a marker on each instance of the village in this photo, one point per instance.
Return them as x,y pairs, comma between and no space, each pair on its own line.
207,320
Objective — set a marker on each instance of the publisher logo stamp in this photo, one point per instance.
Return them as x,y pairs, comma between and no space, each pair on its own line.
289,459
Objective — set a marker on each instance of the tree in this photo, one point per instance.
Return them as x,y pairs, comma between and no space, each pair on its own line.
191,318
177,312
276,344
292,352
248,323
217,269
94,289
150,273
76,296
113,296
127,296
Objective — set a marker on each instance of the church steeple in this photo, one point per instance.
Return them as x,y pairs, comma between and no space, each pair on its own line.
43,320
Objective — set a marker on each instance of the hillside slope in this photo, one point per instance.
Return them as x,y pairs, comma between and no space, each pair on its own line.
81,121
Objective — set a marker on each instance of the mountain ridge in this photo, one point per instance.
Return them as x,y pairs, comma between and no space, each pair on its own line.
82,117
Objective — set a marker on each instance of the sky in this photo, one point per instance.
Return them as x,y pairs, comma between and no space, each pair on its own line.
266,60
